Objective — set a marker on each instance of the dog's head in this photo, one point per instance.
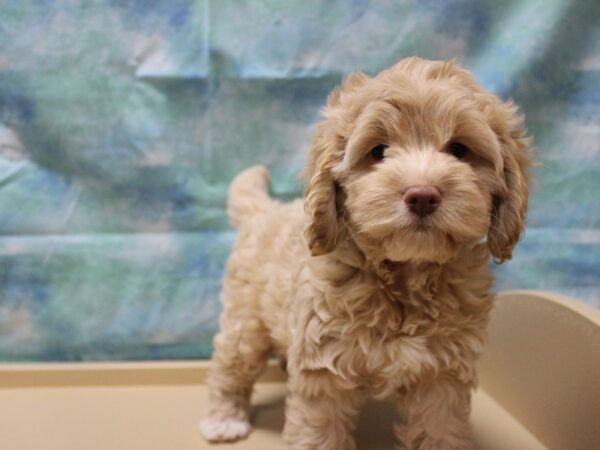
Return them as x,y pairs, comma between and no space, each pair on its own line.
417,163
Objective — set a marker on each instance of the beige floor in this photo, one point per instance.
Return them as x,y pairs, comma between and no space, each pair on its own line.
539,377
165,418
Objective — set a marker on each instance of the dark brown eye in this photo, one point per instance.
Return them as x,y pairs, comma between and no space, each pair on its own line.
378,152
458,150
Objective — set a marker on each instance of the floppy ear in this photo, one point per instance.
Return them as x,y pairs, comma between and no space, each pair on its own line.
327,149
510,202
319,203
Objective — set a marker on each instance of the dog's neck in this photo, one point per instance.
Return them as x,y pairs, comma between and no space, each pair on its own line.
413,282
402,297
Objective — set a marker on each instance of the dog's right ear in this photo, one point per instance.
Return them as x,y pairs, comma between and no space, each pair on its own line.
319,202
327,149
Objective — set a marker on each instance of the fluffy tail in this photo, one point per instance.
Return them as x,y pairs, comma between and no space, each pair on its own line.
249,194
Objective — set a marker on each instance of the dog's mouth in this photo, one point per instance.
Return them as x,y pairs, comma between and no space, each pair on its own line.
426,228
418,239
418,224
421,227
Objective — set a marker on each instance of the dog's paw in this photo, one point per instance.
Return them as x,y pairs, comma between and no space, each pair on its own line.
223,430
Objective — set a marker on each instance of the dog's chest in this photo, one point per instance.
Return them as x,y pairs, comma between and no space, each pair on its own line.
384,366
372,345
371,337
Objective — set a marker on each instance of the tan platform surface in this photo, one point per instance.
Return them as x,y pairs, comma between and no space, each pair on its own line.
156,405
165,418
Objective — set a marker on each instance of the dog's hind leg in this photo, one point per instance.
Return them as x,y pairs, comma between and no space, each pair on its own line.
241,350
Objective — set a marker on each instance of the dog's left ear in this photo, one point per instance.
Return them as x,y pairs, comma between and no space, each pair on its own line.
327,149
510,202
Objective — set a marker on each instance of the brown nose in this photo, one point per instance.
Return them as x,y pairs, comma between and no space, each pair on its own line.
422,200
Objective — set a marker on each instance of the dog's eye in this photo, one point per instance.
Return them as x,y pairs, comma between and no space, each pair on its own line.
378,152
458,150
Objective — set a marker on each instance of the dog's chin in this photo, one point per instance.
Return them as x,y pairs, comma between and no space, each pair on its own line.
409,238
422,240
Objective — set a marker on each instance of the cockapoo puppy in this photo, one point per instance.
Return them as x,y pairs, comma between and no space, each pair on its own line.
378,283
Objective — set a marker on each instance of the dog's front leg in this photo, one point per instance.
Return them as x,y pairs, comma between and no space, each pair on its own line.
320,412
438,415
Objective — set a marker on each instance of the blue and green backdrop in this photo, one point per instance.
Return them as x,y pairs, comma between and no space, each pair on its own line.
122,123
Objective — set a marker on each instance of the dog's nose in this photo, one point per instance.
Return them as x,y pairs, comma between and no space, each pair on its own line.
422,200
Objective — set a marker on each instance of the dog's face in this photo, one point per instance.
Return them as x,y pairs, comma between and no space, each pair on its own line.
417,163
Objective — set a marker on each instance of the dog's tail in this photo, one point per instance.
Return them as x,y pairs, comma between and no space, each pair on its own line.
249,194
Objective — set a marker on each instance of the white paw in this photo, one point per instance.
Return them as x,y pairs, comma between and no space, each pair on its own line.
218,430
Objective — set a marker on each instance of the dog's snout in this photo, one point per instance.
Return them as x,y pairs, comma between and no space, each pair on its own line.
422,200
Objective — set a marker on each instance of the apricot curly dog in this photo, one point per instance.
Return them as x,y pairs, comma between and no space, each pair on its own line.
380,284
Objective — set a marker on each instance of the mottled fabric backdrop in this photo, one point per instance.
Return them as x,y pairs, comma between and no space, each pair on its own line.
122,123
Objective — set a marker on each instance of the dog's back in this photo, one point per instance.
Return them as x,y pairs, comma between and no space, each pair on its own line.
268,250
